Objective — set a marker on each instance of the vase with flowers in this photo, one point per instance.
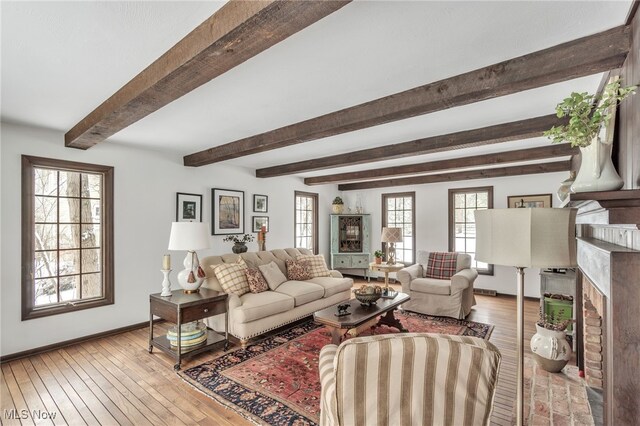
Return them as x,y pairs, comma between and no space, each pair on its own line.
239,242
549,345
337,205
590,127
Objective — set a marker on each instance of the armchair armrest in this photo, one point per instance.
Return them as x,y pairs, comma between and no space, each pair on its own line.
463,280
328,398
408,274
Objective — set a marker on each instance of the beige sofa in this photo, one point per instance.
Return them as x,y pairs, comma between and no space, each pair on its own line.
253,314
449,298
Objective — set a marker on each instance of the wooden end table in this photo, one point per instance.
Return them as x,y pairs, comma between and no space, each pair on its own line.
361,316
386,268
181,308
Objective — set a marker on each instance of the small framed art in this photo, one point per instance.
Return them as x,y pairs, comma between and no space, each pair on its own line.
227,211
188,207
260,203
259,222
529,201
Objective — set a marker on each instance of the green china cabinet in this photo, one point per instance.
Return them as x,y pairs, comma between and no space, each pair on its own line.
351,242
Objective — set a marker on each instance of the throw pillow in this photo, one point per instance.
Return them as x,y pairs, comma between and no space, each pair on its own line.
317,268
298,270
232,278
441,265
257,283
272,274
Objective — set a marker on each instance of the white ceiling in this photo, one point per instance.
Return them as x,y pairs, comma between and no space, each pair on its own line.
62,59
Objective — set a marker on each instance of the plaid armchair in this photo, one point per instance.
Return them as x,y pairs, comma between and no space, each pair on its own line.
439,284
408,379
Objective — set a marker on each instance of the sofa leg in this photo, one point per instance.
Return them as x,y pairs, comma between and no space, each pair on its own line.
244,343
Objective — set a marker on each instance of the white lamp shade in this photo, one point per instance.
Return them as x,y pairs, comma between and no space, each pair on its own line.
391,235
189,236
528,238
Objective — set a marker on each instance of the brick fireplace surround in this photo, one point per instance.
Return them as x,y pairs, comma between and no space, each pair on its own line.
608,331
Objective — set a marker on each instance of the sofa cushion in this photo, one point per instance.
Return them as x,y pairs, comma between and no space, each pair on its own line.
257,283
431,286
301,291
232,278
441,265
318,266
272,274
333,285
298,270
261,305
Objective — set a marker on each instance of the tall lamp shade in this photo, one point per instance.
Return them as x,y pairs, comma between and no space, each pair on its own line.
525,238
391,236
190,236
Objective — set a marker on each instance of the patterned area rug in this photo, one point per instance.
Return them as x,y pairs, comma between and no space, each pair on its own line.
275,381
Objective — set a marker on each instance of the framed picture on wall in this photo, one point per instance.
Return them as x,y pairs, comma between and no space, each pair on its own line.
529,201
227,211
260,203
188,207
259,222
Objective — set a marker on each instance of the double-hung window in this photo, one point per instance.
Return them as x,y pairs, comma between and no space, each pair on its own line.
398,211
67,236
462,225
306,221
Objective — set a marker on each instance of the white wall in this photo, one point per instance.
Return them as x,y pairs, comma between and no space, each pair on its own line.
432,218
146,183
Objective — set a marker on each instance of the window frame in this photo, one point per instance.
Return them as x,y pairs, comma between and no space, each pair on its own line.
29,310
452,221
314,238
411,194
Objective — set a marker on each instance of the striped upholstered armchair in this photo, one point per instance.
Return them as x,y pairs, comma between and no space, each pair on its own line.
408,379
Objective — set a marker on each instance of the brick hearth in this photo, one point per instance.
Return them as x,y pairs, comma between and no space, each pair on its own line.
558,399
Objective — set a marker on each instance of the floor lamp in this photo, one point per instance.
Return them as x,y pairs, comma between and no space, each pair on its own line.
525,238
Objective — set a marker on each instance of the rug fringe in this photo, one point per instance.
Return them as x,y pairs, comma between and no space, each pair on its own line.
221,401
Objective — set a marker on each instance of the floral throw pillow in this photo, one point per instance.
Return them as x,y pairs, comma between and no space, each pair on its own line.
257,283
298,270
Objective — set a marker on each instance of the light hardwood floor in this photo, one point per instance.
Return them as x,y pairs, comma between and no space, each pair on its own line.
114,380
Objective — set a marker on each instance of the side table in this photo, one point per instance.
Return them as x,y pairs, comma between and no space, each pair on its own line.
181,308
386,268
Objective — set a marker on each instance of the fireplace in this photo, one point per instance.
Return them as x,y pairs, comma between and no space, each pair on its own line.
608,330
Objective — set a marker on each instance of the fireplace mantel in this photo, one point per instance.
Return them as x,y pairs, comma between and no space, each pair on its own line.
608,251
607,207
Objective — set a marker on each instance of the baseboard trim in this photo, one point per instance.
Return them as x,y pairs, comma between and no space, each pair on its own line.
59,345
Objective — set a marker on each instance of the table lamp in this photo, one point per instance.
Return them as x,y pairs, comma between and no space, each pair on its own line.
391,236
525,238
190,236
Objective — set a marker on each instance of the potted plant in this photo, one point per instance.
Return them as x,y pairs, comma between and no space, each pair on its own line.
239,242
590,127
337,205
378,255
549,345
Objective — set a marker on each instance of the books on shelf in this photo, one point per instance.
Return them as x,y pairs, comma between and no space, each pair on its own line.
189,343
191,334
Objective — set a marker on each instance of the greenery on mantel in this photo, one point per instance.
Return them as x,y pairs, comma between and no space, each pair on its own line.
586,114
337,200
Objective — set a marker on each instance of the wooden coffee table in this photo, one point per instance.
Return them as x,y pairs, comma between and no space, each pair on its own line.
361,316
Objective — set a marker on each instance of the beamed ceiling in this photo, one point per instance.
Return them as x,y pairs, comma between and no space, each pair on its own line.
364,94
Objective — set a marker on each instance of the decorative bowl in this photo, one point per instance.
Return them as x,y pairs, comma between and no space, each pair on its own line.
366,299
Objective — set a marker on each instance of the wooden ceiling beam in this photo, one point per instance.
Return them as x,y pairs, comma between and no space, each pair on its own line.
529,169
236,32
539,153
585,56
516,130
